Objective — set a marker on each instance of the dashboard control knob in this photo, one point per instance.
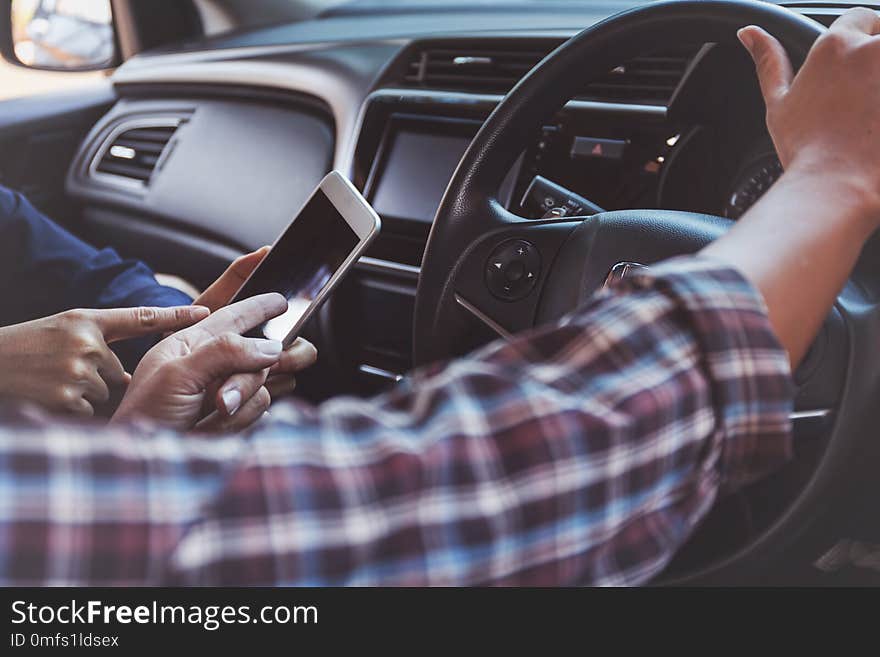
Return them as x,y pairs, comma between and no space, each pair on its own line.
513,269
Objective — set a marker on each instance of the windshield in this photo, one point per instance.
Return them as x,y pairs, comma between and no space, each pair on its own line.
379,5
244,14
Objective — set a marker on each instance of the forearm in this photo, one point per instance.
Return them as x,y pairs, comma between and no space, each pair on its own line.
579,453
52,271
798,246
550,459
48,270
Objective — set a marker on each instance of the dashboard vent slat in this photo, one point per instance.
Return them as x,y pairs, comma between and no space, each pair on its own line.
125,170
132,154
471,69
649,79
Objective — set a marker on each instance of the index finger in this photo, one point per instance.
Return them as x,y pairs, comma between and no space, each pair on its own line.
240,317
858,19
122,323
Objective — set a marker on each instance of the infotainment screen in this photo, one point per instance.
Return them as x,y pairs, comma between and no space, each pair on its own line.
417,160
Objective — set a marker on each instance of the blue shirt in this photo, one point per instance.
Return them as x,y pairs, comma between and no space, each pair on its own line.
44,270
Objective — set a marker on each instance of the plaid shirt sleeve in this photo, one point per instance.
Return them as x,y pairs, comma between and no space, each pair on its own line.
580,453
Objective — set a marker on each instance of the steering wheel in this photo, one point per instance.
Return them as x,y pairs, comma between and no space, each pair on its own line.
469,285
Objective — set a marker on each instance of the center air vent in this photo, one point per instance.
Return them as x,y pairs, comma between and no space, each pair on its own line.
472,69
133,150
649,79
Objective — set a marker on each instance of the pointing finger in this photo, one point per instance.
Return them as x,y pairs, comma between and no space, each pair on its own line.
240,317
123,323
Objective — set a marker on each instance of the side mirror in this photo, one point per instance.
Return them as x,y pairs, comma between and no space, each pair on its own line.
59,35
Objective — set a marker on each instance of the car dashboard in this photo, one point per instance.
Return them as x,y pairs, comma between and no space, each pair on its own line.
210,149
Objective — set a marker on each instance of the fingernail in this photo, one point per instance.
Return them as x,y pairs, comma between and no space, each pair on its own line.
270,347
201,311
231,400
745,37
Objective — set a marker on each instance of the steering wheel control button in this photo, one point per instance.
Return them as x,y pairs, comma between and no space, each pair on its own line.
513,269
552,201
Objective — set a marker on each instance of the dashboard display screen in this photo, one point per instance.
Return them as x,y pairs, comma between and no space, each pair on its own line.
301,264
417,168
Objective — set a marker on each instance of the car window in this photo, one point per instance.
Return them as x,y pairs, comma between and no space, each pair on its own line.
17,81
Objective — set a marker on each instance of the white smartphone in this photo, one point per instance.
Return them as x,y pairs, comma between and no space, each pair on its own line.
312,256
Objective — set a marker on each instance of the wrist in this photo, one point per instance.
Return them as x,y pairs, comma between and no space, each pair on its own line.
854,196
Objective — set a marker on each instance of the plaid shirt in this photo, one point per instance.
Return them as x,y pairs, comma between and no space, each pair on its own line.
580,453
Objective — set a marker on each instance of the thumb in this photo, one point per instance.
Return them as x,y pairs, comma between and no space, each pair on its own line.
223,289
122,323
229,354
771,62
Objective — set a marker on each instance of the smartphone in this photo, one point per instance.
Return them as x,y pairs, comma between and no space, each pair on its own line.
313,255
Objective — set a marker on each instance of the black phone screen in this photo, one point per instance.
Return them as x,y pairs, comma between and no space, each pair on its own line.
301,264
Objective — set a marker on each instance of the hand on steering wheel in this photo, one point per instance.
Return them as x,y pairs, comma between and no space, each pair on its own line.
570,258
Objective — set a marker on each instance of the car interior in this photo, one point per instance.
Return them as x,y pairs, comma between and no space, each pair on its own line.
503,150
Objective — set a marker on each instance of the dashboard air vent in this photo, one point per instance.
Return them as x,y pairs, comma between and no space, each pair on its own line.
649,79
472,69
132,151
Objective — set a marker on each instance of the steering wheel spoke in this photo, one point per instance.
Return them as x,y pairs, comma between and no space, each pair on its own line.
499,280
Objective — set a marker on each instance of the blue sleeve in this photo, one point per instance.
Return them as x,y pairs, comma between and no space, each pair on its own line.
45,269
